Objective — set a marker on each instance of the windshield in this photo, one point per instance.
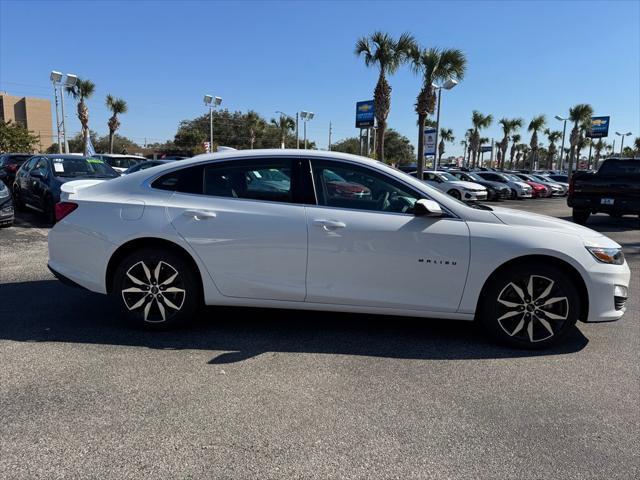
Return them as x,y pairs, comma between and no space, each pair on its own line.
82,167
448,176
475,176
512,177
620,167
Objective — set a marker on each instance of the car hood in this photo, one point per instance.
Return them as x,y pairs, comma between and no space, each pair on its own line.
517,217
492,184
467,185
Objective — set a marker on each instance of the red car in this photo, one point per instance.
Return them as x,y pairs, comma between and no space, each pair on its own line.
339,187
539,190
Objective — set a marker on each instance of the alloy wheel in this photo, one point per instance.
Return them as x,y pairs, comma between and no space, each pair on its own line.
157,295
533,309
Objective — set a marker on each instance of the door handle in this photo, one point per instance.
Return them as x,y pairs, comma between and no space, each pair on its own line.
329,224
199,214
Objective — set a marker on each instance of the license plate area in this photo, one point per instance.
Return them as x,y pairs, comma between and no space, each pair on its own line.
606,201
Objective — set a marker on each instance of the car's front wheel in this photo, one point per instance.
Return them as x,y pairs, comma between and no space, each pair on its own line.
530,305
157,288
455,194
17,199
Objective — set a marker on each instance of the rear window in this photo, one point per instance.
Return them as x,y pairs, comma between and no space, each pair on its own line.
185,180
620,167
81,167
14,159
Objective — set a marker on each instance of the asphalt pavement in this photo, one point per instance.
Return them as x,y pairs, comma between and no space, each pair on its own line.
257,393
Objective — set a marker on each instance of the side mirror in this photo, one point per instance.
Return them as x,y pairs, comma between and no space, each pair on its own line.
37,174
427,208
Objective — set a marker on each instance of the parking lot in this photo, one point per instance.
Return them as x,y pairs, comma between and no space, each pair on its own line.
256,393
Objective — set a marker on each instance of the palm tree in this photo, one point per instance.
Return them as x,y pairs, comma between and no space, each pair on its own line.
523,151
479,122
433,65
515,138
553,136
255,125
535,124
117,106
636,146
446,135
509,125
285,125
382,51
81,91
578,114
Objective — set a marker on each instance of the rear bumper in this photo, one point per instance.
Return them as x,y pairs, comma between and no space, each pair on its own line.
65,280
594,204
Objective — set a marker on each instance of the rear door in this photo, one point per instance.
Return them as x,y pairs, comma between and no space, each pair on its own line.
245,222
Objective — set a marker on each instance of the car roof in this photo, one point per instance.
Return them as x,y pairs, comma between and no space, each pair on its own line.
63,156
121,155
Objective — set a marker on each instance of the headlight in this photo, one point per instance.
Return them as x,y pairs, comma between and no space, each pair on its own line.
613,256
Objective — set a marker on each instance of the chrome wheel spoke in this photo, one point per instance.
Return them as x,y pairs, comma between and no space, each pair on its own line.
553,300
530,287
546,325
554,316
169,280
146,271
134,290
135,280
138,304
510,314
509,304
174,290
161,308
518,327
170,303
547,291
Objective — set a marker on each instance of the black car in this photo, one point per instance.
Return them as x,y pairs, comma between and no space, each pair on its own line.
9,165
495,190
6,206
145,165
38,181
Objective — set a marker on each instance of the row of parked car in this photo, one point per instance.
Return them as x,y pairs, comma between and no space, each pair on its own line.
488,184
34,181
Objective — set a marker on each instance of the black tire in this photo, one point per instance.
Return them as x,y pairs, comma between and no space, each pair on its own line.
529,326
17,199
514,194
580,216
158,309
49,210
455,194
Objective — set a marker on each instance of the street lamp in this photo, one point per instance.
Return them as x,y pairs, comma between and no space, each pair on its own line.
564,131
306,116
448,85
212,102
70,81
622,141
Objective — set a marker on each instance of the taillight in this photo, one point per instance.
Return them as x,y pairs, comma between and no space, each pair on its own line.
63,209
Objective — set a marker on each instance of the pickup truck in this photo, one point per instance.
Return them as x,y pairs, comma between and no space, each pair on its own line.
613,189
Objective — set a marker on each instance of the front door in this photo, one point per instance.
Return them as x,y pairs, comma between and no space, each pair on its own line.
245,226
367,248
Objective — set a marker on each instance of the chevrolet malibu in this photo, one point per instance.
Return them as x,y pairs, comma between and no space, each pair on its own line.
211,231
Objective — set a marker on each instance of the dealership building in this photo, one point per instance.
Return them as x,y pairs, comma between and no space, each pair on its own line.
30,112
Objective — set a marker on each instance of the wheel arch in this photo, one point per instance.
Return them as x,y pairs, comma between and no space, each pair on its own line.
147,242
563,265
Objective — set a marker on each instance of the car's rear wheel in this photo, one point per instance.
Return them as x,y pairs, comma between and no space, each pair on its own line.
580,216
157,288
530,305
514,194
455,194
49,210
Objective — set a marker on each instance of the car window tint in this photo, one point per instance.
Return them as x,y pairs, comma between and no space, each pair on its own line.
348,186
29,165
269,181
620,167
41,165
185,180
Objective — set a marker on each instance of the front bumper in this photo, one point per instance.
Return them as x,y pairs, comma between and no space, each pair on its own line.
604,305
474,196
6,212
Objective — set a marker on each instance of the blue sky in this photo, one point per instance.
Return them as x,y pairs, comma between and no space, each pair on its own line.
524,58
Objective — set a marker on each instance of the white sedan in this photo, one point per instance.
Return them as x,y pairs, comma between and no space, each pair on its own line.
275,229
460,189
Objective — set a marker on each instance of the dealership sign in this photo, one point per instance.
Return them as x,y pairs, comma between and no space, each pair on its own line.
429,141
486,148
599,127
365,114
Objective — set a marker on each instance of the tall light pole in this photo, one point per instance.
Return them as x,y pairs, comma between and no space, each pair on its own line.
564,131
448,85
56,77
212,102
306,116
622,141
70,81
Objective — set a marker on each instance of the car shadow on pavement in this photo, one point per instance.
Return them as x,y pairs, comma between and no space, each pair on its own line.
47,311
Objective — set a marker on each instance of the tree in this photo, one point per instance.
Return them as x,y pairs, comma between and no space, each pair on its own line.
382,51
636,146
81,91
553,136
117,107
114,143
255,125
433,65
578,114
284,125
16,138
515,139
509,125
446,135
536,124
399,149
479,121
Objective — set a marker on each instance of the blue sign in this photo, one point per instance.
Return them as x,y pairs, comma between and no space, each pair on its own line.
487,148
365,114
599,127
429,141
